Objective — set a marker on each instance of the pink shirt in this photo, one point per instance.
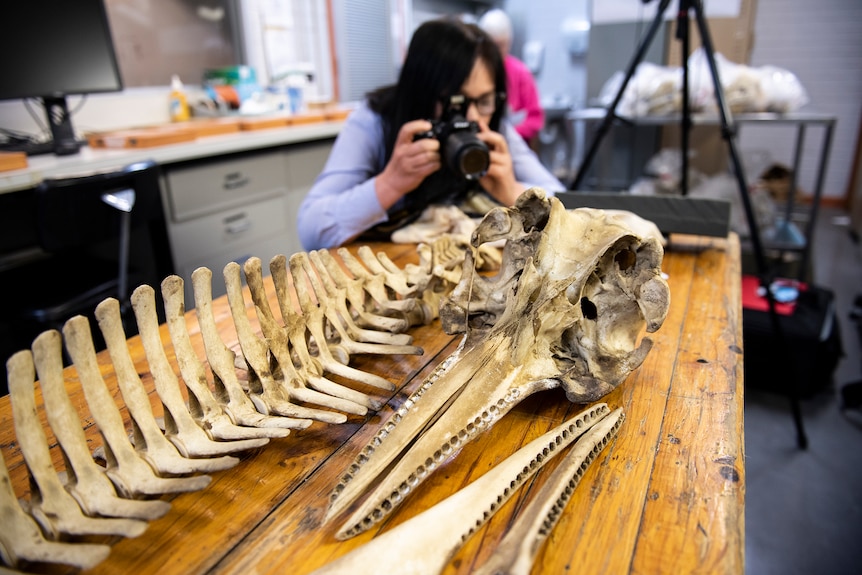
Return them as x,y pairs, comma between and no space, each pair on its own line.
523,97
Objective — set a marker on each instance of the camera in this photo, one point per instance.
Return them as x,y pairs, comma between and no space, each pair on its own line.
465,154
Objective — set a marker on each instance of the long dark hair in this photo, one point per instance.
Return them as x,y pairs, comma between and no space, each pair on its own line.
439,60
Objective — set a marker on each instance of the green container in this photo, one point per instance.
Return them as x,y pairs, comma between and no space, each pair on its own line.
230,76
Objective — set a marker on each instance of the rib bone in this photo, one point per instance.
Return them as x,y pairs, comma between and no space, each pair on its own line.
163,455
380,265
332,282
311,322
405,549
180,427
86,480
375,288
267,395
355,297
300,373
203,405
341,322
21,540
221,359
51,505
130,473
315,322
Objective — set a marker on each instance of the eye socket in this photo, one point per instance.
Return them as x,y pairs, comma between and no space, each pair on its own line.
625,259
589,309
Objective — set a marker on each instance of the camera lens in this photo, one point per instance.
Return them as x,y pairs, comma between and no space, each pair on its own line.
467,155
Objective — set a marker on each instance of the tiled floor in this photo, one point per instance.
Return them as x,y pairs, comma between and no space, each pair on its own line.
804,507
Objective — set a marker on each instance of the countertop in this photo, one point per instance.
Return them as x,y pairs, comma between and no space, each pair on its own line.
90,160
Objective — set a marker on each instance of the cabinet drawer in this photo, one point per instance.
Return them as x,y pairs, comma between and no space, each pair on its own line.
305,163
203,189
196,239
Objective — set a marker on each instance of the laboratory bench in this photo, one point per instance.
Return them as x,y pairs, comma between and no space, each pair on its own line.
666,495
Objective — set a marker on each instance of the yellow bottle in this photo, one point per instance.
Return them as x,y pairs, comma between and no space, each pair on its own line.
179,104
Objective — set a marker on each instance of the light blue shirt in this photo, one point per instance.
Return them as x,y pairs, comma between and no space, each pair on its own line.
343,203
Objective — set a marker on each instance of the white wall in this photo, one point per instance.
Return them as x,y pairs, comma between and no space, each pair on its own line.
97,112
562,76
135,107
820,42
817,40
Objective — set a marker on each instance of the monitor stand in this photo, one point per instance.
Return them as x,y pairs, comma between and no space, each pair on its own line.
57,112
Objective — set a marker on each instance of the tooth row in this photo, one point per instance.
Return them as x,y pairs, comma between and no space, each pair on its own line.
569,487
391,423
573,430
449,523
518,549
475,427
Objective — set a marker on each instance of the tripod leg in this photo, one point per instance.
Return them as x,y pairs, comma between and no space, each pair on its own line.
609,117
818,192
682,33
728,132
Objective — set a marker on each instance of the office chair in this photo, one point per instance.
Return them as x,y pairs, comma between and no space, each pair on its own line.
84,228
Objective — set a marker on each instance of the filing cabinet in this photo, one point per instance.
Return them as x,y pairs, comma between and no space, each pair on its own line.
215,185
231,208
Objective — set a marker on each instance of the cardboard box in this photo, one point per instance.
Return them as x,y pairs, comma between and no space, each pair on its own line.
307,118
141,137
12,161
264,122
734,39
203,127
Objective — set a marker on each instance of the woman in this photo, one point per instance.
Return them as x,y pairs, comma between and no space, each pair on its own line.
381,173
520,84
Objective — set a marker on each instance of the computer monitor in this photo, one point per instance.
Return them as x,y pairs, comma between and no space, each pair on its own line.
53,48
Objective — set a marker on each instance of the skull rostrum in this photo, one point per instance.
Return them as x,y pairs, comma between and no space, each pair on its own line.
568,308
587,281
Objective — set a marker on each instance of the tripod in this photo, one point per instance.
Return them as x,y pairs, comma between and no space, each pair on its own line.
728,133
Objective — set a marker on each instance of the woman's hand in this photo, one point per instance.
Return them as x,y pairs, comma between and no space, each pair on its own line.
500,180
411,162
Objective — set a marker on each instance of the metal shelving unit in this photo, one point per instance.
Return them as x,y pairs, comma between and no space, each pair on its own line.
787,237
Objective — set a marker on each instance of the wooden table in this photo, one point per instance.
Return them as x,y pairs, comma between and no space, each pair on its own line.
666,496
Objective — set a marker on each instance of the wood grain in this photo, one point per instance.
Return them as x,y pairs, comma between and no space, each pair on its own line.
666,496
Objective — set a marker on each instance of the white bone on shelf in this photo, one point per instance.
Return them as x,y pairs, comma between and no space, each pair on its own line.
801,120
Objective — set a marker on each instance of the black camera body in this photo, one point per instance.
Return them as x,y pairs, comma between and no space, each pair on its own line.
462,152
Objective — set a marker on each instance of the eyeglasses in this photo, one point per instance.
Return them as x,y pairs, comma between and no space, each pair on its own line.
486,104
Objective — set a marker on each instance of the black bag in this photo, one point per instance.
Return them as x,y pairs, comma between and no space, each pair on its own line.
812,343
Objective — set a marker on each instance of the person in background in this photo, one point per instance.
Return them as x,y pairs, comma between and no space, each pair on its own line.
381,173
523,96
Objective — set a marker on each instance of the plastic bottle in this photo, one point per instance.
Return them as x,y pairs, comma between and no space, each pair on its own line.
179,104
296,84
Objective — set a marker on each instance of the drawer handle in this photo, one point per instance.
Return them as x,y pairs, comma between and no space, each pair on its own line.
237,224
235,180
